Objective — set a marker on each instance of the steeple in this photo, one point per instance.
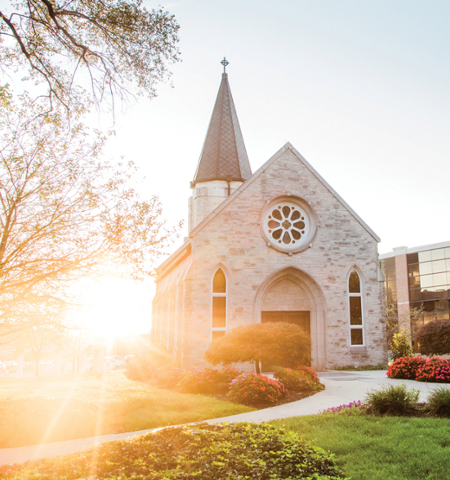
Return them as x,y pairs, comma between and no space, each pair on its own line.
223,155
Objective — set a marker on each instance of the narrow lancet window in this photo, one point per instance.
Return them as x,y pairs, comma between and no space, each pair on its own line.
219,305
355,309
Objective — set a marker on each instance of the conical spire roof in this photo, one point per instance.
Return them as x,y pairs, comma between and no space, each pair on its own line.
223,156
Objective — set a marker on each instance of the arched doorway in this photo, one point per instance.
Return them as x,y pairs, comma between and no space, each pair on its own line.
293,296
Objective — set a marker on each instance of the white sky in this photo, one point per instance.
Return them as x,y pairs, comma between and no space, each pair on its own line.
360,88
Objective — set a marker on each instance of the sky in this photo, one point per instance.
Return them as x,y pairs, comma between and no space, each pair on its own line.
359,88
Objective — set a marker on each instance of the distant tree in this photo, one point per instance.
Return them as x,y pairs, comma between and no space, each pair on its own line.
64,212
107,44
282,344
395,323
433,338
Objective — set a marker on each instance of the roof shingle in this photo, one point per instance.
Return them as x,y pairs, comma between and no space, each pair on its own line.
223,156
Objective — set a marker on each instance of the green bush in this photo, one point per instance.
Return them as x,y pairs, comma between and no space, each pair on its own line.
405,367
401,345
253,389
433,338
205,380
168,376
392,400
145,363
219,452
439,401
298,380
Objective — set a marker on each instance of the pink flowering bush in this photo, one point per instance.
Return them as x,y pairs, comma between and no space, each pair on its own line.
434,369
168,377
253,389
352,408
302,380
405,367
208,380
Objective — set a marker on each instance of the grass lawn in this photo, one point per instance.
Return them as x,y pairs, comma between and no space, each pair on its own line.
380,448
52,409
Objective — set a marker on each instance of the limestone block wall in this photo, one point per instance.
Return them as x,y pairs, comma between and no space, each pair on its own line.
206,196
233,241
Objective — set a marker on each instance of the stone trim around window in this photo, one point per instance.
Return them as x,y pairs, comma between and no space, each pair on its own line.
288,224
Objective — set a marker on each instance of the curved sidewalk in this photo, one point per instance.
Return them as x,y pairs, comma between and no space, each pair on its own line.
340,388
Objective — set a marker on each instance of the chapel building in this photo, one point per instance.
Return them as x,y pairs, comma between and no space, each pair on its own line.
279,244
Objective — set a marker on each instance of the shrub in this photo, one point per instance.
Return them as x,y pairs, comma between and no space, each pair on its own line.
352,408
168,376
439,401
145,363
401,345
433,338
219,452
434,370
405,367
273,343
230,373
205,380
253,389
392,400
298,380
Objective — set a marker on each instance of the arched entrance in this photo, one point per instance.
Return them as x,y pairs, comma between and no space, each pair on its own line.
293,296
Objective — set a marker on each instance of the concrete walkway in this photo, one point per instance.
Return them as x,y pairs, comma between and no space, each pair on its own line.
340,388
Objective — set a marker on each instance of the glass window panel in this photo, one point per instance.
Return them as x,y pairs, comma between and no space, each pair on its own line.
389,262
354,285
426,281
447,265
219,319
356,336
390,274
219,282
415,295
439,279
425,256
413,270
438,254
355,311
414,282
426,268
412,258
438,266
447,252
218,334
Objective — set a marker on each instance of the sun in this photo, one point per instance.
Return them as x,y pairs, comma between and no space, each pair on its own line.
115,307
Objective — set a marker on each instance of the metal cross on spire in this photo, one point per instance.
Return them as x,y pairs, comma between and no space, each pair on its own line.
225,62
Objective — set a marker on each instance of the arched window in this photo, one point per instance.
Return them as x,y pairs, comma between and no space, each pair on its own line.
219,305
355,309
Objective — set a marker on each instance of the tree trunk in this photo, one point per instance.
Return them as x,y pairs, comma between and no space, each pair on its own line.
258,370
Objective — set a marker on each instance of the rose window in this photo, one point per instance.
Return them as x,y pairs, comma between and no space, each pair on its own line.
288,224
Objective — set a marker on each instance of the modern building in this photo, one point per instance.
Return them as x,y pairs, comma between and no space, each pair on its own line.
279,244
419,278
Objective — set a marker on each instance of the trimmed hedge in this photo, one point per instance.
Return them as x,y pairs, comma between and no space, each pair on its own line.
433,338
219,452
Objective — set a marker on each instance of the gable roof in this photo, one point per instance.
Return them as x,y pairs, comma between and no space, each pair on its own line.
264,167
223,156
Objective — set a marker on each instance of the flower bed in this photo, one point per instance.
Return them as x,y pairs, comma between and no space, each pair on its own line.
252,389
405,367
434,370
298,380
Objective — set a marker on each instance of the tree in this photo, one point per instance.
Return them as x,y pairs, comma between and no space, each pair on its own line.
433,338
276,343
112,43
63,212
